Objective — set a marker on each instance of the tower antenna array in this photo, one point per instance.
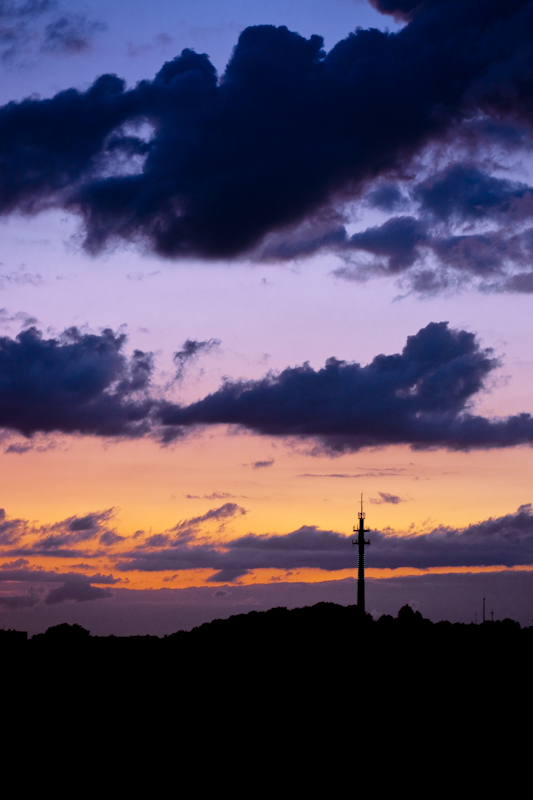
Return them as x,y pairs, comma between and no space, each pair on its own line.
360,542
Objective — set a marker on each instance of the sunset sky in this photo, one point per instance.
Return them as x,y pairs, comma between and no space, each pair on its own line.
258,258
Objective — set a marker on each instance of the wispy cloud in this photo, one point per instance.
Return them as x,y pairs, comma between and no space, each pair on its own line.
32,27
190,352
386,497
506,540
262,464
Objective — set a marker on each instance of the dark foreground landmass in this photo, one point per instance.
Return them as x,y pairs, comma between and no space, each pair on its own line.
325,634
321,668
295,629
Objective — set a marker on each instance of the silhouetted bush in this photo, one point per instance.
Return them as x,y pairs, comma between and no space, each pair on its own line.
66,633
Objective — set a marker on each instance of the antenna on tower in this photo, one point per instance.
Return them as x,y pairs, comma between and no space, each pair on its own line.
360,542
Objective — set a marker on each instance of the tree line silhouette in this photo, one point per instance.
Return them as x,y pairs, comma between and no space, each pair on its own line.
290,628
321,666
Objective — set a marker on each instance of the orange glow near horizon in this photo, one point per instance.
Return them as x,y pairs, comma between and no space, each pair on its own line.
152,488
184,579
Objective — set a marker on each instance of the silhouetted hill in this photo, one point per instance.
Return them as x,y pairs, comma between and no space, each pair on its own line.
276,692
326,632
267,687
326,654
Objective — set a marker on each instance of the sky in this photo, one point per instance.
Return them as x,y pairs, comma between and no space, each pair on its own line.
258,259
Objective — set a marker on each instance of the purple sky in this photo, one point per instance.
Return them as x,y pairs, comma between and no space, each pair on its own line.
233,220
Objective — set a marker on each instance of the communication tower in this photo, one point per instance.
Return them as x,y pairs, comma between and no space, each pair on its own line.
360,542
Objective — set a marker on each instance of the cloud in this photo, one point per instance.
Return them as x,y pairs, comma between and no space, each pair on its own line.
286,136
74,586
110,538
227,575
421,397
212,496
19,278
161,42
386,472
385,497
11,531
506,540
22,318
18,448
400,9
466,226
386,197
77,590
16,601
70,34
24,29
60,539
11,9
263,464
463,192
187,530
19,562
26,446
84,383
188,527
75,383
134,612
398,240
190,351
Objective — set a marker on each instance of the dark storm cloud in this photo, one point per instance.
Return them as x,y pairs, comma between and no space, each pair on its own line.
466,193
420,397
465,225
75,383
83,383
506,541
401,9
386,197
287,134
398,240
